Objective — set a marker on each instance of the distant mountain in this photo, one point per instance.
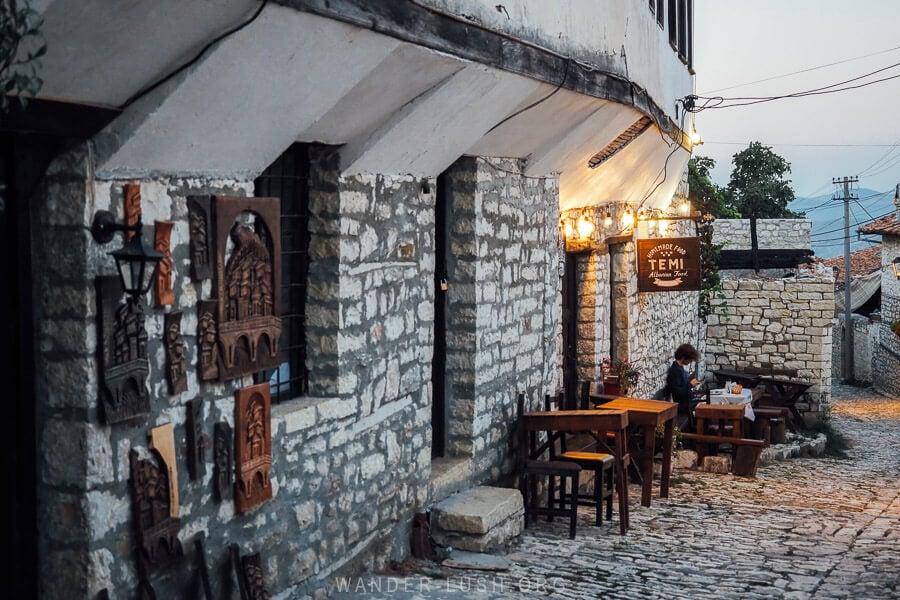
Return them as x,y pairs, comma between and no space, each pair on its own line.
827,215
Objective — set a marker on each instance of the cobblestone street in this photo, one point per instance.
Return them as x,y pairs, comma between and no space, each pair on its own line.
803,528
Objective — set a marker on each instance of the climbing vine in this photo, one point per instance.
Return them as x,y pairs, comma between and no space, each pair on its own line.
712,296
22,44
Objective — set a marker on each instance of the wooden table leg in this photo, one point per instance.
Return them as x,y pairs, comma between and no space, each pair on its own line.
667,460
647,465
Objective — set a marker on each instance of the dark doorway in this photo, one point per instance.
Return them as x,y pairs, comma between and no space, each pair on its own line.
439,361
22,160
570,286
618,305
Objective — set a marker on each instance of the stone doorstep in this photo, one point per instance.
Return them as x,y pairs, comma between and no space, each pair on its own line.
479,519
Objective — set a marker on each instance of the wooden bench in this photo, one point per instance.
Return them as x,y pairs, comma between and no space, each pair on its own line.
745,451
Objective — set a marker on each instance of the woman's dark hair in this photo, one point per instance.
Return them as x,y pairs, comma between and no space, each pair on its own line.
686,351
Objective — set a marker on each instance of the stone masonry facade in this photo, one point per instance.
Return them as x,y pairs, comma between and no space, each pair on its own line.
777,323
647,326
786,234
352,460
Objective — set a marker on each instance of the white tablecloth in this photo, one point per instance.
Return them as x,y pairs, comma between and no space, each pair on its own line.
745,397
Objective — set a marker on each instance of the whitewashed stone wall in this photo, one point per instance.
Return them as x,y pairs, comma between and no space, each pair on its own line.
788,234
351,462
504,306
777,323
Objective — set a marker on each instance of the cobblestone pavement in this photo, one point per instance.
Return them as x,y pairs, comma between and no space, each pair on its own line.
803,528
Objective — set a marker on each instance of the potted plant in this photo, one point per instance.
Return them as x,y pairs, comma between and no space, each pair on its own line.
619,376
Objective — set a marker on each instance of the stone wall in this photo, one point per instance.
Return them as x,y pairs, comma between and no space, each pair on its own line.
865,340
650,324
503,306
785,234
352,461
777,323
886,355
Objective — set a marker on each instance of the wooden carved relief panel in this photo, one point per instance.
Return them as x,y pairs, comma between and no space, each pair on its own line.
207,335
247,283
222,475
249,572
123,354
132,203
162,242
196,447
176,373
157,531
200,237
252,446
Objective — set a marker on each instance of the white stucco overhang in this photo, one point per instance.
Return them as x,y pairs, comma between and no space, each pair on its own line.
290,75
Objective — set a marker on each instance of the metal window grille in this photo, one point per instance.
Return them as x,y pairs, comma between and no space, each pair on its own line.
288,179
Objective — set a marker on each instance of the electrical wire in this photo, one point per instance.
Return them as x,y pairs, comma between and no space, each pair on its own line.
141,93
840,62
880,158
533,104
872,220
709,102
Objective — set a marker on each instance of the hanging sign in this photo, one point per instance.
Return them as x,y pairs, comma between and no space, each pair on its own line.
668,264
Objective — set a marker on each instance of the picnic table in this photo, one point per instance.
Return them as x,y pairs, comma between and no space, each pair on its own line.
784,392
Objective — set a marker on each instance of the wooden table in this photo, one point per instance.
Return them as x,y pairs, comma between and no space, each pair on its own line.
748,380
597,422
786,391
645,416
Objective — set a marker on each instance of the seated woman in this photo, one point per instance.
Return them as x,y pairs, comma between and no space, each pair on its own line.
680,386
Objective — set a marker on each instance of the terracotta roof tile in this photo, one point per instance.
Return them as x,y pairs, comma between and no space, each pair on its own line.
862,262
889,225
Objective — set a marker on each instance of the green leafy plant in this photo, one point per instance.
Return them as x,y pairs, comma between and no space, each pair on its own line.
712,295
22,44
623,371
895,327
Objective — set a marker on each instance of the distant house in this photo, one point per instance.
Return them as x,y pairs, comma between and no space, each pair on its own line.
886,349
865,280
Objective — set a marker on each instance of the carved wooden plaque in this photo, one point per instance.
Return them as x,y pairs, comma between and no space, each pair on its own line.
162,440
196,448
247,283
207,335
200,237
123,354
252,446
222,475
157,530
162,242
132,203
249,572
176,373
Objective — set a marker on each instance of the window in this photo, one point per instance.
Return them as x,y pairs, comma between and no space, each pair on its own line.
661,13
287,179
681,29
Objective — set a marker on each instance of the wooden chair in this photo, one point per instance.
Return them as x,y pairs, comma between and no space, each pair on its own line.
601,463
534,468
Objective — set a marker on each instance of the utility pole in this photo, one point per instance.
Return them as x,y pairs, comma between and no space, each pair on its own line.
848,310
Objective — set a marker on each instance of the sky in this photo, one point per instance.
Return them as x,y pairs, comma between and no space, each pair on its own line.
850,133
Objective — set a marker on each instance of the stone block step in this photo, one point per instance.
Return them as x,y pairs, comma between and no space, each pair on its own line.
478,519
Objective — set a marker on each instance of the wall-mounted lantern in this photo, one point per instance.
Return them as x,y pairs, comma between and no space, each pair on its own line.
896,267
136,261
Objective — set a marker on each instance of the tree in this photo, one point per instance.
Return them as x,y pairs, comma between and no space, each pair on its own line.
758,187
705,195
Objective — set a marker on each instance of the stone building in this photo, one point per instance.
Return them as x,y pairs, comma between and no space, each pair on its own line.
777,318
885,350
422,161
